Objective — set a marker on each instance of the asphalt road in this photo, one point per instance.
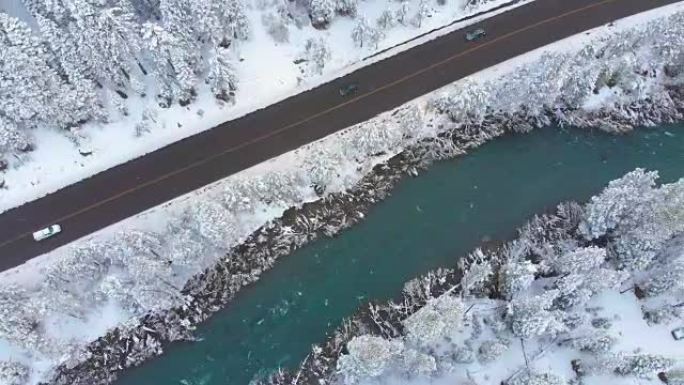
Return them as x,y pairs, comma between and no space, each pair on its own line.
140,184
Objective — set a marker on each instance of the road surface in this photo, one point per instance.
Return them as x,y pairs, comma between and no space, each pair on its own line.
179,168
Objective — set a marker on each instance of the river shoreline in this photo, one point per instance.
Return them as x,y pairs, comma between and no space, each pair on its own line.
548,246
210,291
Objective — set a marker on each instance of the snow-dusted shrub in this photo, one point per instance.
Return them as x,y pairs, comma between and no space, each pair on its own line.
532,316
577,288
416,363
515,277
463,354
368,357
212,221
245,195
580,260
574,319
13,373
598,343
185,247
643,365
465,101
478,274
536,378
436,320
601,323
148,118
490,350
662,314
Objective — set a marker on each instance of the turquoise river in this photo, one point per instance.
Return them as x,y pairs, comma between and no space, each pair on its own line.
428,222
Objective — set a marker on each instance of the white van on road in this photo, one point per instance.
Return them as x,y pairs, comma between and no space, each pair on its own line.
47,232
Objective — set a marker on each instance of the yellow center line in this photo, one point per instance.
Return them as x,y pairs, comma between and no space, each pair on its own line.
314,116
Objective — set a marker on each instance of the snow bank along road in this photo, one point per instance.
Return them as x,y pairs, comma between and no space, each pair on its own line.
196,161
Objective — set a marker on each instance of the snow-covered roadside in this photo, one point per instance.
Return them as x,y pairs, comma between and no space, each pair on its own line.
587,295
140,266
265,76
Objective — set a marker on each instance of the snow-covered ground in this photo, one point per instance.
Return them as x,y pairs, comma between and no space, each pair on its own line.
266,72
139,265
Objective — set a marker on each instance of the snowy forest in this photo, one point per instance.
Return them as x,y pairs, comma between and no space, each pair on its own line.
587,295
81,56
67,62
142,285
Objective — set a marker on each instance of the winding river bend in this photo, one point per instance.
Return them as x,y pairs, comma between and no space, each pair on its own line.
427,223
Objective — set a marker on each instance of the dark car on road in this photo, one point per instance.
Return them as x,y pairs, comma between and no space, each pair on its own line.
475,34
349,89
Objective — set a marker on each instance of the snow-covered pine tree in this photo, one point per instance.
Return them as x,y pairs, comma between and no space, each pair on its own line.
435,320
71,64
221,77
177,46
364,34
386,20
33,93
220,21
166,52
316,55
402,12
532,316
636,217
580,260
107,39
346,7
515,277
422,12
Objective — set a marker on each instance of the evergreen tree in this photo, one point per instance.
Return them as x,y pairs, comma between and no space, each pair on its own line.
365,34
106,38
532,316
32,91
221,78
